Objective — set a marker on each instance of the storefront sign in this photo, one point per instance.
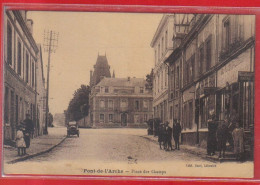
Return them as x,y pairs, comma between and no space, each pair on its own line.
245,76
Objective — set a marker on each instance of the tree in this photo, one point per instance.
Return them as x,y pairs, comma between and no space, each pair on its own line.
149,81
79,104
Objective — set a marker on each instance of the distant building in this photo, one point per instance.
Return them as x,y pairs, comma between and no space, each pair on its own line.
120,102
20,75
101,69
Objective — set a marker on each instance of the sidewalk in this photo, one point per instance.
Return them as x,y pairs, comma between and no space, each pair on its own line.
38,146
196,150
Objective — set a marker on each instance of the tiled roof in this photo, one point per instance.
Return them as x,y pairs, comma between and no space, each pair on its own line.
125,82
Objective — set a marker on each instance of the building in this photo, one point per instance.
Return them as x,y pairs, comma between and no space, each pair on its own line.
163,46
120,102
216,57
20,75
101,69
117,102
41,95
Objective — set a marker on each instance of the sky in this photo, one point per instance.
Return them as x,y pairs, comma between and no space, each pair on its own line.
124,37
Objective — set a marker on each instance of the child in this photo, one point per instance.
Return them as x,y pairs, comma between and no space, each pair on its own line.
238,137
20,143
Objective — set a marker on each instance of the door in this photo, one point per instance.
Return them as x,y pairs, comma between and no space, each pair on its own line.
123,119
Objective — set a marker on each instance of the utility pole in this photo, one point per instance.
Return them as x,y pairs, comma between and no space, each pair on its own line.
50,46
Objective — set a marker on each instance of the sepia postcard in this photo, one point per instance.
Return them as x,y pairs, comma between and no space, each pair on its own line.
97,94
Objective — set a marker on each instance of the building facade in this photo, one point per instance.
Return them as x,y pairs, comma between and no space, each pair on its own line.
20,75
163,46
120,102
216,58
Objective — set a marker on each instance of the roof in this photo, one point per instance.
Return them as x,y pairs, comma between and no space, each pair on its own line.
101,69
125,82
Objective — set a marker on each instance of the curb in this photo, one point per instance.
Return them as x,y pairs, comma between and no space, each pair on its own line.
36,154
189,151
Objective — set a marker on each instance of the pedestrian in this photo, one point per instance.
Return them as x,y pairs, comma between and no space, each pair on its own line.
20,143
222,133
233,119
29,129
212,130
168,136
161,135
176,133
238,138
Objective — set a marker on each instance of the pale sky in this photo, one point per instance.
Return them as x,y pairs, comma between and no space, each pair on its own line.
124,37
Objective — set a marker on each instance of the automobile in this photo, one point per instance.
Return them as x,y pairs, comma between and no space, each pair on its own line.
72,128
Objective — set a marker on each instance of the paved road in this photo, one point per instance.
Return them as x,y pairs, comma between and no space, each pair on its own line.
120,149
110,145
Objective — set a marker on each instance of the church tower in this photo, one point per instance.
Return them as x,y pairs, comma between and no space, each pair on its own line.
101,70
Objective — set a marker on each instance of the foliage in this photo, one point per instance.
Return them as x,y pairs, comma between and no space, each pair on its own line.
149,81
79,104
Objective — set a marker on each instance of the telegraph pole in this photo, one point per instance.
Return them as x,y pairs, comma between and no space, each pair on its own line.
50,46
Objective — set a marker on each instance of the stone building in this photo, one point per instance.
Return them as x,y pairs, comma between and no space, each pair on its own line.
120,102
216,57
117,102
20,74
162,45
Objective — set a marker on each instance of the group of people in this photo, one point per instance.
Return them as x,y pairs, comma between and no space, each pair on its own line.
24,133
219,133
165,135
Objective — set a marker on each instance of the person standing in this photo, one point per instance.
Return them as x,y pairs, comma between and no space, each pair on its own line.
176,133
161,135
222,133
29,129
168,135
212,139
20,143
238,138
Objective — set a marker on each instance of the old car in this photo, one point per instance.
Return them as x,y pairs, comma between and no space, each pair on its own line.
72,128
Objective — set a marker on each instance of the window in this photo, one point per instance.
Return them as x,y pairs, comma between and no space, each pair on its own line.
106,90
110,117
166,40
171,112
32,74
6,111
190,116
201,59
141,90
208,54
110,104
27,68
136,118
162,46
145,117
159,52
166,73
136,105
19,58
9,44
226,34
145,104
101,117
123,103
177,77
102,104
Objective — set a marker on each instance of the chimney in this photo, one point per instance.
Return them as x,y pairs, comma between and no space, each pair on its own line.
29,24
90,79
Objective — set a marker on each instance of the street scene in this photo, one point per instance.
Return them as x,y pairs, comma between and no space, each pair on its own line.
101,94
